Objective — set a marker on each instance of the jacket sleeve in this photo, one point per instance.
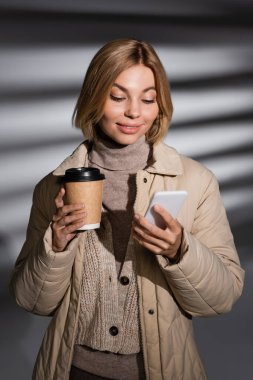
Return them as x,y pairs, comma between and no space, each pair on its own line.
208,278
41,277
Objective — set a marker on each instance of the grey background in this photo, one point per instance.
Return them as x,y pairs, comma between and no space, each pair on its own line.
206,48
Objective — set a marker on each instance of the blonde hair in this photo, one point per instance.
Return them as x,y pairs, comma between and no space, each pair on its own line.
113,58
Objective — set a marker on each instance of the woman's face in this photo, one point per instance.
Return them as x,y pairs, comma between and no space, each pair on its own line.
131,107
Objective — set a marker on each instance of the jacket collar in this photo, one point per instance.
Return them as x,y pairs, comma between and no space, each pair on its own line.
165,161
77,159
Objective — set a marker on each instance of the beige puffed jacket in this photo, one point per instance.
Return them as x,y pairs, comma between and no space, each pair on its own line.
206,282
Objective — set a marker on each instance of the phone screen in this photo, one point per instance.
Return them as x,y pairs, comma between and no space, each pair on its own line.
170,200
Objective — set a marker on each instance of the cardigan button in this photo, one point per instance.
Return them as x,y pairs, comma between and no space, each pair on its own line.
145,180
124,280
151,311
113,330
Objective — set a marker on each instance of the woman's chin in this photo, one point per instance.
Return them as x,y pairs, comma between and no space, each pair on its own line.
127,139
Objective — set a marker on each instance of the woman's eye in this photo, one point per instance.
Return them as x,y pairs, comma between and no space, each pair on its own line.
116,98
148,101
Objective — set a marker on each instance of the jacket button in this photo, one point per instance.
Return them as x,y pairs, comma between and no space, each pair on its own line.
113,330
145,180
151,311
124,280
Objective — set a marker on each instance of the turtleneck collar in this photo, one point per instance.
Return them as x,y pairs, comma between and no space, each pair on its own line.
108,154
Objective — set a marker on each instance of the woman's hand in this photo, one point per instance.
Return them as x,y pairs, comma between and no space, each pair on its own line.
164,242
65,222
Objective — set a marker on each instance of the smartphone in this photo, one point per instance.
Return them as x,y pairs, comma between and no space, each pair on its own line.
170,200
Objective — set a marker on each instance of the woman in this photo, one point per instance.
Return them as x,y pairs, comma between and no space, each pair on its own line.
122,297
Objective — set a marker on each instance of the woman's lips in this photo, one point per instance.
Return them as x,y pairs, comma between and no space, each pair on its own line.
129,129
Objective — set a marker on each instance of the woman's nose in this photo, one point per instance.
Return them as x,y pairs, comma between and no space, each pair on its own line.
132,110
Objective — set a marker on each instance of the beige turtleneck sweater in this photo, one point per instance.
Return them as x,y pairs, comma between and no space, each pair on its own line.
119,164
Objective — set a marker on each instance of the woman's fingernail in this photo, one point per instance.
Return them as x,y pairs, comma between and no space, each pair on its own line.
136,217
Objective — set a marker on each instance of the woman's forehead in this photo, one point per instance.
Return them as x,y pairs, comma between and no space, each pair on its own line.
136,77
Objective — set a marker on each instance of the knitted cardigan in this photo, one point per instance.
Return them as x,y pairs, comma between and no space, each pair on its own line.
107,302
